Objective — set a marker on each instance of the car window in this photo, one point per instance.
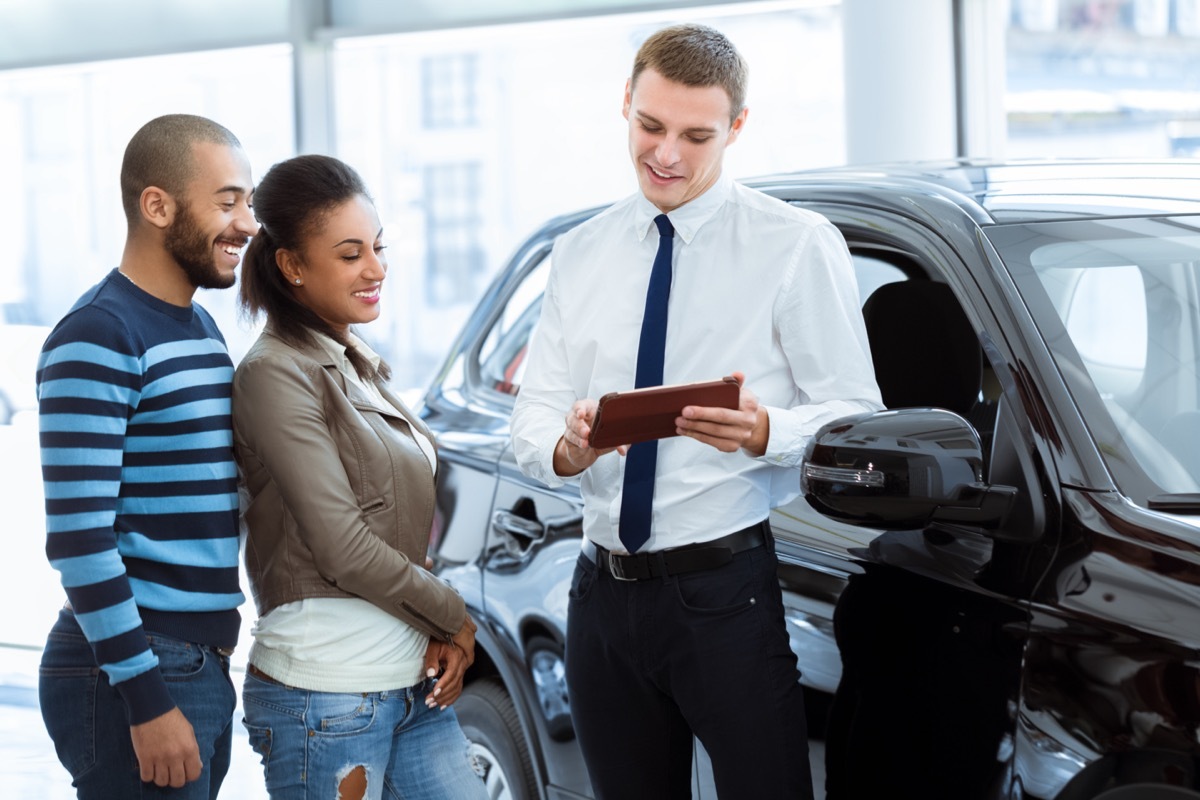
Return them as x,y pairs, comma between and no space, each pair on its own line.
1116,301
873,272
1113,348
502,355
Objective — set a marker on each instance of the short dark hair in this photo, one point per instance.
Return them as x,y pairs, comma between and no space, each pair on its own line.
160,154
695,55
291,203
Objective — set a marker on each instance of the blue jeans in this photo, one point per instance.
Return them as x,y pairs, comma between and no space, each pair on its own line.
89,724
310,741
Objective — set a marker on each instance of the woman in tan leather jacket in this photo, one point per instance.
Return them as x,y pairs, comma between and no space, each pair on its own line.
358,649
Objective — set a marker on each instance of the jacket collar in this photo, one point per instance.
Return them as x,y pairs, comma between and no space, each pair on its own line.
328,353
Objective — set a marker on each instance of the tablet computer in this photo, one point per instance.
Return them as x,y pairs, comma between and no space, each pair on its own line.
641,415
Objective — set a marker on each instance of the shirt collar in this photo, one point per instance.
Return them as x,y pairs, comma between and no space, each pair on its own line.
689,217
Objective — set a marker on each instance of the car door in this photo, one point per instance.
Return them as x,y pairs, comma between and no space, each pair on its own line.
523,538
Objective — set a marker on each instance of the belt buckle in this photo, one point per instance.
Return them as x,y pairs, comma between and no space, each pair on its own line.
614,568
224,651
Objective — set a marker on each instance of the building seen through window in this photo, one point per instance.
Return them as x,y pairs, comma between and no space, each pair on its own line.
1104,78
454,259
450,89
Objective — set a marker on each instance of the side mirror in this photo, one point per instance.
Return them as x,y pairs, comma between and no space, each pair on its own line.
902,469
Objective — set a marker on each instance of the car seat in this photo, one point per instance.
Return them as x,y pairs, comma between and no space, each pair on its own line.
923,346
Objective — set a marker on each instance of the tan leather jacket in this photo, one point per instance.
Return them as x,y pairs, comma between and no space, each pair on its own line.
341,496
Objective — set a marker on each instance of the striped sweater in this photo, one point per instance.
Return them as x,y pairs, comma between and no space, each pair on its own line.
140,481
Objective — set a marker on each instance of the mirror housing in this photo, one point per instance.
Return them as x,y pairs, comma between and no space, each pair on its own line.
900,470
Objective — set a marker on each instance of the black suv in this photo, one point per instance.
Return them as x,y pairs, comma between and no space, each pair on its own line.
1012,548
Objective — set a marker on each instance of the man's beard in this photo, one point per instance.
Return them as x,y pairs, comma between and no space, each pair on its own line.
193,252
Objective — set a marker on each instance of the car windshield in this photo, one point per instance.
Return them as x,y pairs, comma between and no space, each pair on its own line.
1116,300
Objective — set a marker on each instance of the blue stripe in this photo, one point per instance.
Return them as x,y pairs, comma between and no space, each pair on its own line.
187,504
56,423
60,490
62,523
153,595
160,458
190,379
92,568
131,667
90,353
180,473
86,389
109,622
187,441
183,552
80,457
186,412
182,349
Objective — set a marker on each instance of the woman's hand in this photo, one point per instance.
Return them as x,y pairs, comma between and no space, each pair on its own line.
451,660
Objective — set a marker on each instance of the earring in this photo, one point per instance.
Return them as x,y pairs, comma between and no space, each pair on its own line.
297,281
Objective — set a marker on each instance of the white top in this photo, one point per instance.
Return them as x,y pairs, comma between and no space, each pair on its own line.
342,644
758,286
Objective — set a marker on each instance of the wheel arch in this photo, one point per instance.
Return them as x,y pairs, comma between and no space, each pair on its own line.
498,656
1135,773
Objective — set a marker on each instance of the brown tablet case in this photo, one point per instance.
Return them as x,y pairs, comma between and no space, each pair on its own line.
644,414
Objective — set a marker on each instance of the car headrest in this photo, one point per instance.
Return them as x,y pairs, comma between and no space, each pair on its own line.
925,350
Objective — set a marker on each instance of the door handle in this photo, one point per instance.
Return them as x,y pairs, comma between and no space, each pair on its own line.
515,525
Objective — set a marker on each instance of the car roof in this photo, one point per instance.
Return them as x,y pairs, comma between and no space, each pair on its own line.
994,192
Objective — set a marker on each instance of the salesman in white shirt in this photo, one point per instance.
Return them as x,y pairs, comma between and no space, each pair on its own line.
675,625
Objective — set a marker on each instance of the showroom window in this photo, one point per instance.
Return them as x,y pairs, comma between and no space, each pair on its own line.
449,94
537,107
63,132
454,259
1107,78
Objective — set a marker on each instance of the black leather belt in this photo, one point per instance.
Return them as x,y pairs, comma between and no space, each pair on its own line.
262,676
677,560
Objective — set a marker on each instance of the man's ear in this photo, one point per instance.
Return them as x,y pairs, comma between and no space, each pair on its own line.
735,128
157,207
628,98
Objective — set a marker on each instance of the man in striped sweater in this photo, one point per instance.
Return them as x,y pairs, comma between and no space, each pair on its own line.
140,482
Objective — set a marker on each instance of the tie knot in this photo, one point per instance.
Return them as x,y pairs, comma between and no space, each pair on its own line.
665,228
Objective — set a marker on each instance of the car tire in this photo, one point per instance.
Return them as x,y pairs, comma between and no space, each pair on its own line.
497,745
1148,791
547,670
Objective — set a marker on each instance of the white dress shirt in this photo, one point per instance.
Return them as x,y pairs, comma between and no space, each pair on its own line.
758,286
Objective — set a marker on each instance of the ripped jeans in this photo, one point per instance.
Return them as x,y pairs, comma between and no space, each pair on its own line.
313,743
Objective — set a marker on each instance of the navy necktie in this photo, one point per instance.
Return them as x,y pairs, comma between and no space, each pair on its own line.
637,497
